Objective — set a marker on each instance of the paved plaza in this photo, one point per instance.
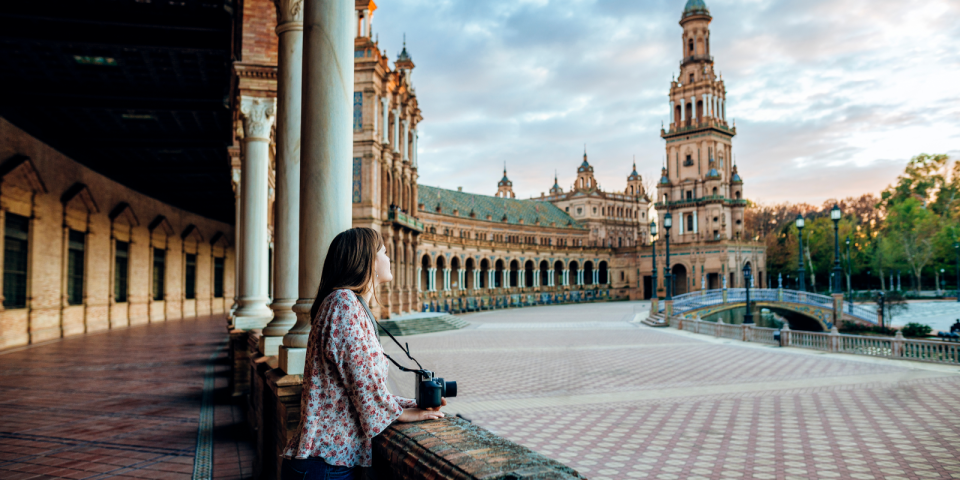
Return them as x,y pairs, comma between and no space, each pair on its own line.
615,399
127,403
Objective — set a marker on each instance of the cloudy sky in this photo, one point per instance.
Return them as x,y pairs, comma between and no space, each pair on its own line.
830,97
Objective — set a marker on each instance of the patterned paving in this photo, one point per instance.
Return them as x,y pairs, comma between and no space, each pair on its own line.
637,402
121,404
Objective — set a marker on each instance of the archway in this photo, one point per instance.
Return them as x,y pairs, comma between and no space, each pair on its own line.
469,284
557,273
679,279
544,273
588,273
528,274
514,273
425,274
498,274
484,273
438,275
603,273
574,269
455,273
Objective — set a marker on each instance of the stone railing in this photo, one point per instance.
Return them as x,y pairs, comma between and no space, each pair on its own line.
897,347
453,448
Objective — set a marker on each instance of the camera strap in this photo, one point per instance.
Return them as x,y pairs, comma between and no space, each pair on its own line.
405,350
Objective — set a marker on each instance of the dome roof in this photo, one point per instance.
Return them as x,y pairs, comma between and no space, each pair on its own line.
713,173
695,7
736,178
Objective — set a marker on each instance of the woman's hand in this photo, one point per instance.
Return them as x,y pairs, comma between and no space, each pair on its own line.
419,415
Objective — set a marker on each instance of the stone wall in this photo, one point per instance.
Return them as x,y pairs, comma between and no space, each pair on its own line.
57,195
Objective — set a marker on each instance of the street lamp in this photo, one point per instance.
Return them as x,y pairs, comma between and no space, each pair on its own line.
802,285
747,317
667,277
956,248
835,215
849,268
653,234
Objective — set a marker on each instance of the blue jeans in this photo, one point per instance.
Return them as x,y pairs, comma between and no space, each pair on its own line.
313,468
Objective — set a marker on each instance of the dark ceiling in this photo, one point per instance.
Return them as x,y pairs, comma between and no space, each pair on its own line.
137,90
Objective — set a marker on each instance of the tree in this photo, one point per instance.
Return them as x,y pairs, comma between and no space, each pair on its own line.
913,228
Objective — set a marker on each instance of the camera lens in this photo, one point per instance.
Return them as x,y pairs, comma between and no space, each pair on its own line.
450,389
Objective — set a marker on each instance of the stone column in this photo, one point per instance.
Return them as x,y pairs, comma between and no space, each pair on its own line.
385,102
258,115
406,140
550,278
326,157
413,151
237,245
396,130
286,228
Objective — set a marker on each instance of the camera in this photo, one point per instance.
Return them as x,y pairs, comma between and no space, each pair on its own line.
431,389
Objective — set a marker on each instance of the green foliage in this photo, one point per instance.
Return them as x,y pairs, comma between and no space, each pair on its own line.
913,329
855,328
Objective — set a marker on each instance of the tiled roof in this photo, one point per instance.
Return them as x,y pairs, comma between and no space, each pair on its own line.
482,205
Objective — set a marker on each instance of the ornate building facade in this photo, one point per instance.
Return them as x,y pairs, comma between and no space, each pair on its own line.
452,249
585,243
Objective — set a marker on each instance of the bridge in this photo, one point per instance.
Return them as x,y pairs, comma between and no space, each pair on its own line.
803,310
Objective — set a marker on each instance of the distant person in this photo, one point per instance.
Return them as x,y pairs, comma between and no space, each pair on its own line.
345,400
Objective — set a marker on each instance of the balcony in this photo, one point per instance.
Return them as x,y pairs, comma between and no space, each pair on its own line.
696,58
703,124
707,199
405,220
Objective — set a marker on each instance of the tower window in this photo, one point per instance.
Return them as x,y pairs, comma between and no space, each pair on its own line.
691,78
689,194
689,46
688,162
689,223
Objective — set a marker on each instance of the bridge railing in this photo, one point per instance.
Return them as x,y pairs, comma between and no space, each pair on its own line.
707,298
898,347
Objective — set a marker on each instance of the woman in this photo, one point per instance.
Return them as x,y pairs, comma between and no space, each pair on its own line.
345,400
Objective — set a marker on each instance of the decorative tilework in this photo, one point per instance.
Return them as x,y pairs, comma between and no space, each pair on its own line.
356,179
357,111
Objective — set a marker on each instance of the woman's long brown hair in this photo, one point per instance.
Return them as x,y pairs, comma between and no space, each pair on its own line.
349,264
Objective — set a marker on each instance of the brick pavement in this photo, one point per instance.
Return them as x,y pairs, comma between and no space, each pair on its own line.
638,402
119,404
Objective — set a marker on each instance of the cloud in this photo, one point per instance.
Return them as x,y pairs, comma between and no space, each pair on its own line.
831,97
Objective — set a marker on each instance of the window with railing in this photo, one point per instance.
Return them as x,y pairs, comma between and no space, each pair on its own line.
218,277
190,282
75,250
159,268
15,247
120,267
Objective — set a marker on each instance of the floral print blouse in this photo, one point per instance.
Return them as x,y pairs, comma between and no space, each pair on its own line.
345,401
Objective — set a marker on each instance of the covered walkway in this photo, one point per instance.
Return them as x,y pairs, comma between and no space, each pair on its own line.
141,402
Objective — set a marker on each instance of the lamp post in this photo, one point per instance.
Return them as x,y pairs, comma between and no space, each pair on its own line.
653,241
956,248
667,276
800,272
747,317
849,269
835,215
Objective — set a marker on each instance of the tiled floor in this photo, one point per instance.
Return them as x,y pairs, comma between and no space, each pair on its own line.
119,404
637,402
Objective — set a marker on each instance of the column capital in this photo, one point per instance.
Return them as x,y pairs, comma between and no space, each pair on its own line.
289,15
258,115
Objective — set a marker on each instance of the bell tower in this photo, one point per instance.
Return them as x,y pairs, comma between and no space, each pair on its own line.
585,180
505,186
697,186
